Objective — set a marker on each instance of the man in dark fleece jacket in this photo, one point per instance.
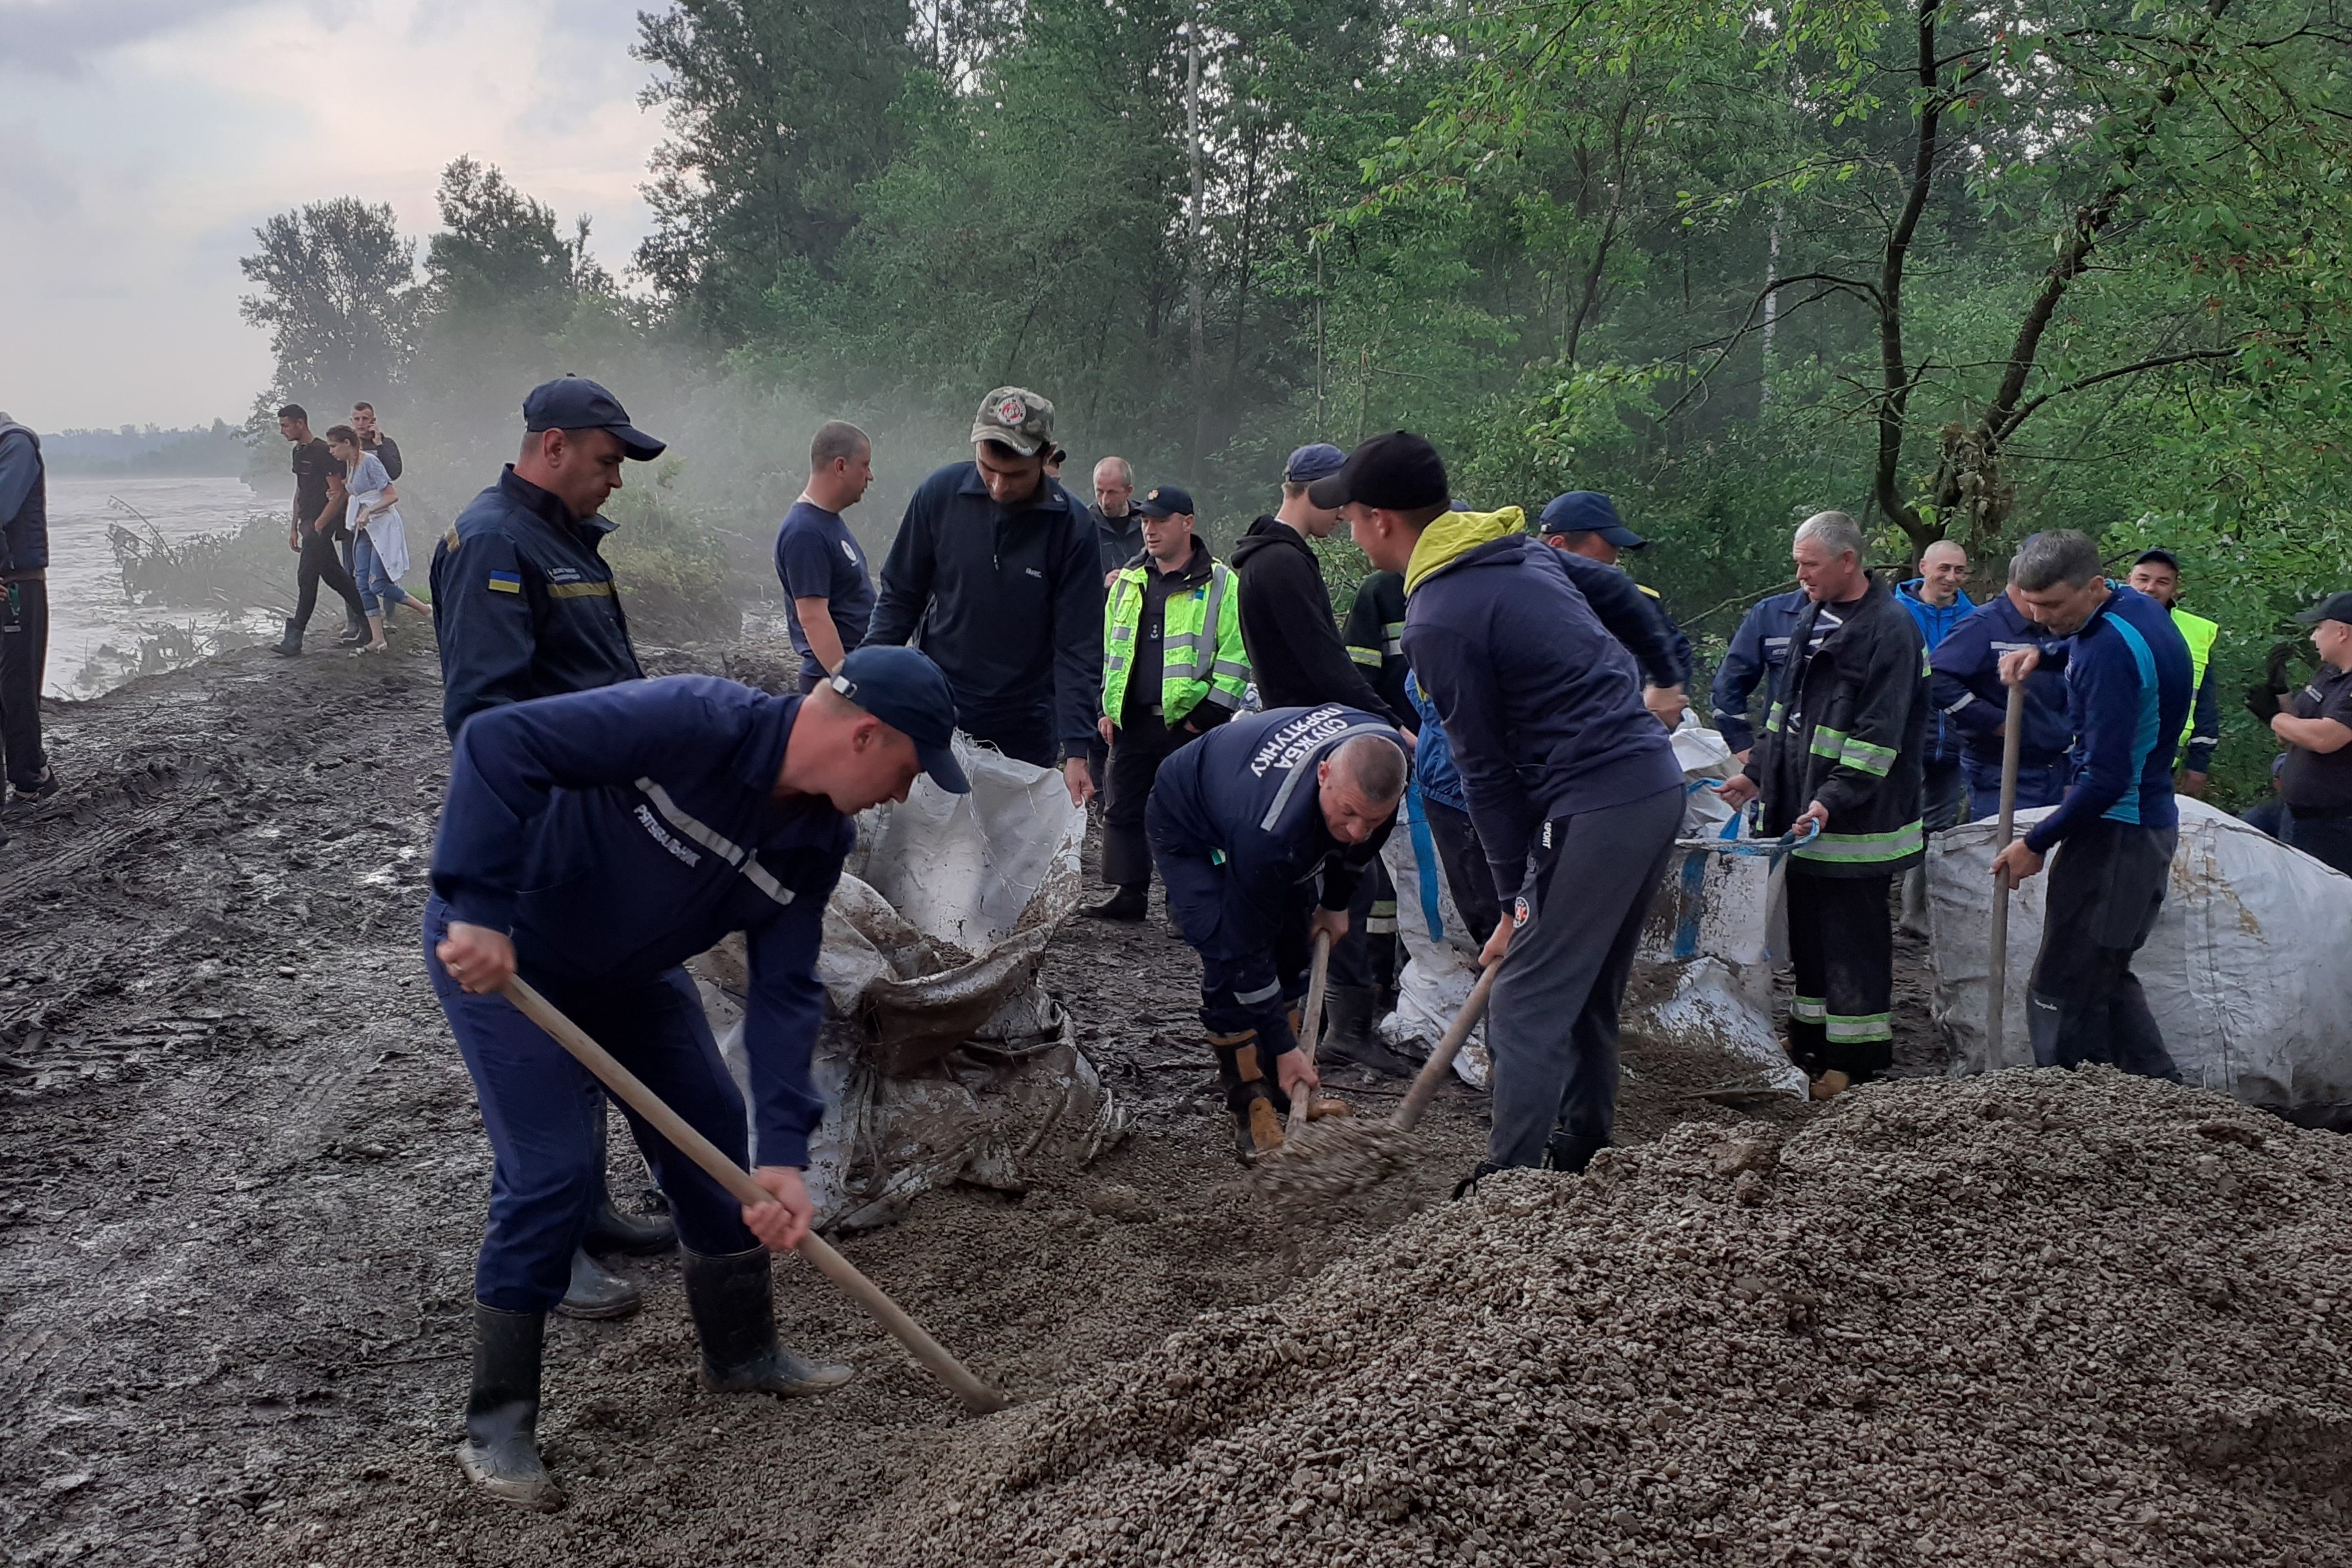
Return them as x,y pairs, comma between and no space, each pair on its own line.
996,575
1571,782
2129,678
1298,659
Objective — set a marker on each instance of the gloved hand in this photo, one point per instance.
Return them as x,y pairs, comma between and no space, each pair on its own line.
2263,702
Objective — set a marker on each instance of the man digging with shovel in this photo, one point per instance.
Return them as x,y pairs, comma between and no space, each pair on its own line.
593,843
1244,822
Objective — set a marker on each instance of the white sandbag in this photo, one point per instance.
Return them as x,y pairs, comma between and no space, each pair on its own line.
2243,970
1711,1005
973,869
1442,960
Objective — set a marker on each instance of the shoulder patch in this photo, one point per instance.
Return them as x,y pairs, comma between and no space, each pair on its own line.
506,582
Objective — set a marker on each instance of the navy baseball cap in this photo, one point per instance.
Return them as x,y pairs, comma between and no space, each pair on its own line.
905,690
575,403
2335,607
1319,460
1589,512
1166,501
2161,557
1398,472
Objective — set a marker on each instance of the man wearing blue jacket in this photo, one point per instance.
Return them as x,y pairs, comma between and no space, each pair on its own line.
1248,825
1571,781
2128,674
1583,526
1758,650
995,574
525,607
24,613
1967,691
1936,601
592,843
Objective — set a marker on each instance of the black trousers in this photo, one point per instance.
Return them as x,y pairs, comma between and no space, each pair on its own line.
1143,744
322,562
1842,944
2106,883
2328,839
24,651
1366,955
1467,875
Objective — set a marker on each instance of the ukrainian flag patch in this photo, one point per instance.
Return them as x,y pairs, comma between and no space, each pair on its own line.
506,582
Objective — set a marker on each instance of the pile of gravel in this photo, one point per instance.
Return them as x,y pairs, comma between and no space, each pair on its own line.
2040,1317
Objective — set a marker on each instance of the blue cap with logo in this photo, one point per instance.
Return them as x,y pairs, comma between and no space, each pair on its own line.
575,403
1589,512
905,690
1308,464
1166,501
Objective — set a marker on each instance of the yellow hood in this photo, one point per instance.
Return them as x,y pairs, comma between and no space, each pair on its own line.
1452,535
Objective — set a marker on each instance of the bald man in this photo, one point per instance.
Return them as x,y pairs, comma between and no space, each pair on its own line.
1937,604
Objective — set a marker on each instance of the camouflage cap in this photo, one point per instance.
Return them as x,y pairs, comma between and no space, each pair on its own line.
1016,417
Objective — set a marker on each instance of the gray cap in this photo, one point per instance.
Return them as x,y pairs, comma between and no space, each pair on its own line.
1016,417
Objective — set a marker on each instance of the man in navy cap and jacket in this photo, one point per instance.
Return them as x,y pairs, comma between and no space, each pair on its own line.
1582,526
592,843
525,608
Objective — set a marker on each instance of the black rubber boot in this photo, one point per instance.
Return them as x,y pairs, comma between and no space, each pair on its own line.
1129,902
1469,1184
501,1454
1571,1153
1348,1040
734,1313
291,643
609,1228
1258,1107
596,1293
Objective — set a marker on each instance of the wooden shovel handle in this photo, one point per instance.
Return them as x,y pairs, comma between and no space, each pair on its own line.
976,1396
1432,1072
1310,1025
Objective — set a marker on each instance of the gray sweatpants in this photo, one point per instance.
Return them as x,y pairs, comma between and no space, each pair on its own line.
1551,1023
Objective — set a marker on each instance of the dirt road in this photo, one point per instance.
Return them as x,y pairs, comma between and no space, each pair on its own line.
242,1179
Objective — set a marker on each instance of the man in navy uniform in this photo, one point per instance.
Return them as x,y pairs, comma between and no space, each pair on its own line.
592,843
525,608
1243,823
1583,526
1758,650
2131,681
1967,690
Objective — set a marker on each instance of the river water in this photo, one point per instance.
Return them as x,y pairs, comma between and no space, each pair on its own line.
98,637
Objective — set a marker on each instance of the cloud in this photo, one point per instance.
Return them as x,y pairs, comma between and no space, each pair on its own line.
63,37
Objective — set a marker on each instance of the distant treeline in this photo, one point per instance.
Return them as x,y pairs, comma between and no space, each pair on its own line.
220,452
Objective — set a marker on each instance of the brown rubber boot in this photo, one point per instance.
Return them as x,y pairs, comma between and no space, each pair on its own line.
1257,1124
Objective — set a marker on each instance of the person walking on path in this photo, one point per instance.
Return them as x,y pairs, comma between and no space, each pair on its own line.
1173,670
2129,675
1839,766
996,576
1571,781
1938,602
2156,573
24,615
2315,784
376,443
1261,829
380,543
1966,690
591,844
828,597
317,529
526,609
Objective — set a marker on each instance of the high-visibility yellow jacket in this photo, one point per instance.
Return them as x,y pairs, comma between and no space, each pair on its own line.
2203,730
1200,653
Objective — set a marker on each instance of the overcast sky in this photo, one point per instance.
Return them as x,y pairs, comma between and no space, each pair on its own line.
142,141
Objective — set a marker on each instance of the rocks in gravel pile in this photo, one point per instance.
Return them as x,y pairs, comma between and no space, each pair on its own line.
2039,1317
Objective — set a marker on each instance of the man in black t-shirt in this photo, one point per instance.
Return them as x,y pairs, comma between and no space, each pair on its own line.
2316,725
316,526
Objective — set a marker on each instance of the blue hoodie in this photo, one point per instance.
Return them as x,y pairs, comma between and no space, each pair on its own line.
1936,623
615,833
1542,706
2128,680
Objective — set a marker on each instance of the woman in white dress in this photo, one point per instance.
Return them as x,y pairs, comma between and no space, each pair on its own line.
379,545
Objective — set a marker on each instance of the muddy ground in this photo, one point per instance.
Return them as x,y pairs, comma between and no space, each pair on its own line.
242,1179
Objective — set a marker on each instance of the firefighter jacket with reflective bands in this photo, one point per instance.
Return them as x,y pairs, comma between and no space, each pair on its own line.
1200,636
1848,727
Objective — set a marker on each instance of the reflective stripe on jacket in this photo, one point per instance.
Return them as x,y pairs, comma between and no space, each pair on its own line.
1200,654
1848,728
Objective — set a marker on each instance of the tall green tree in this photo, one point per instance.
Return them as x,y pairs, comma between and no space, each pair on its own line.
335,280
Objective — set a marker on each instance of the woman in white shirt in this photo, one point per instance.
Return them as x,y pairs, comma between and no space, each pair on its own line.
379,545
